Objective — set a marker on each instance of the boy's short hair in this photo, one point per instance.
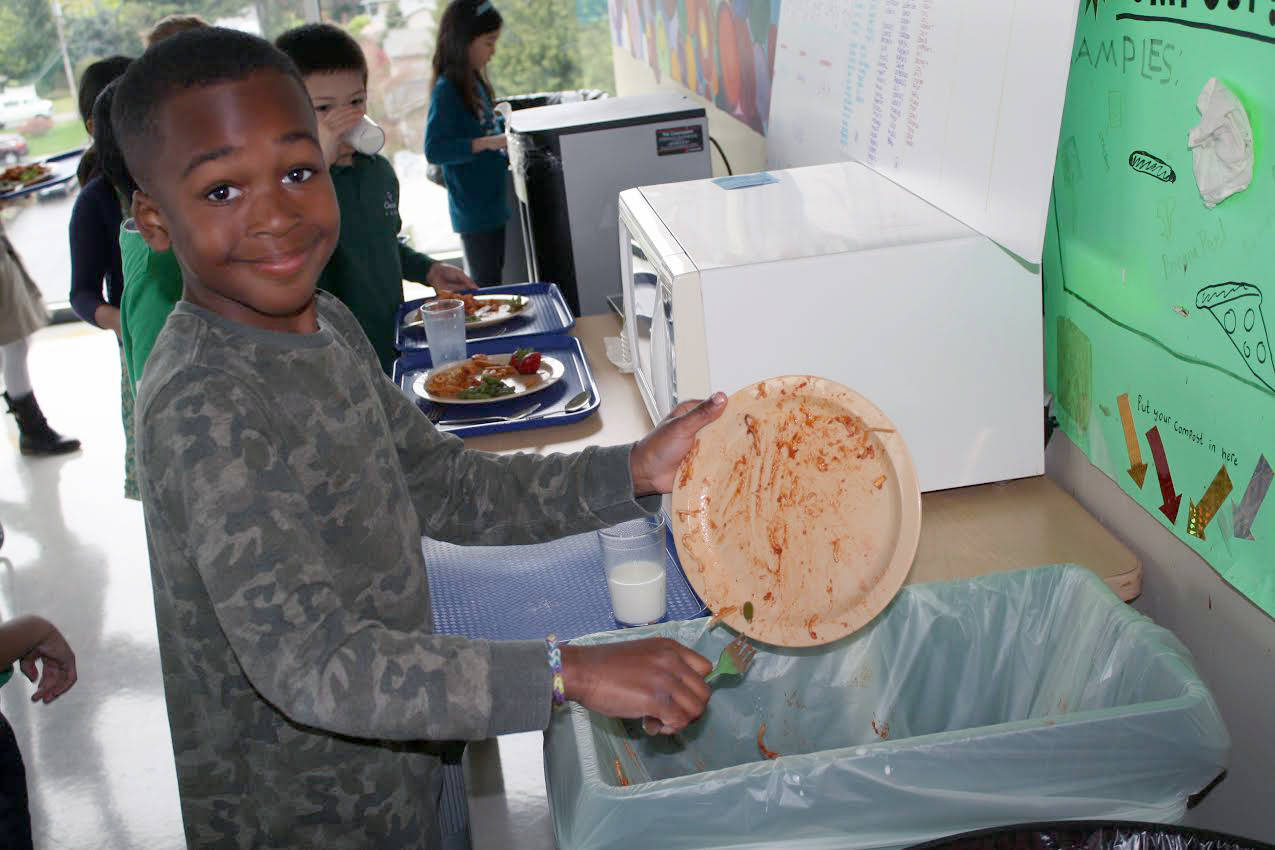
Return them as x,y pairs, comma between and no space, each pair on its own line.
193,59
171,25
323,49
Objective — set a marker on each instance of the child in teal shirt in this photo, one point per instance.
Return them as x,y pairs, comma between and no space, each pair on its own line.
464,136
369,265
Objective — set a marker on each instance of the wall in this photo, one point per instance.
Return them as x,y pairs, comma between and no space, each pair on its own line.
721,52
744,147
1233,641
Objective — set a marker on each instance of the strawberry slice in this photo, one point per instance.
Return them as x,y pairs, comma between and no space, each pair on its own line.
526,361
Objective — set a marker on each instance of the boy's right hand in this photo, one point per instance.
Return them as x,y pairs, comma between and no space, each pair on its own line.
654,677
59,666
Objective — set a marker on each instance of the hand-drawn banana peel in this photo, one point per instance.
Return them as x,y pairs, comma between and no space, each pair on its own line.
1149,163
1238,309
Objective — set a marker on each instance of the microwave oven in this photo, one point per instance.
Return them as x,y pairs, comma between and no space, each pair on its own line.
835,271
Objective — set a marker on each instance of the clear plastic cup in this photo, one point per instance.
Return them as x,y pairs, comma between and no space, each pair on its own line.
444,321
366,137
634,556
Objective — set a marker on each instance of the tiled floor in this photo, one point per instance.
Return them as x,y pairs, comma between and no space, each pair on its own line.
99,759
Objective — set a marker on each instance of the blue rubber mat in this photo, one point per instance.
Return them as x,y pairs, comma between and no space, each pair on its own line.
526,592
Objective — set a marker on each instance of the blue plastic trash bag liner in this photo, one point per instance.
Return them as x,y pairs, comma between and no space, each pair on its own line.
1026,696
1094,835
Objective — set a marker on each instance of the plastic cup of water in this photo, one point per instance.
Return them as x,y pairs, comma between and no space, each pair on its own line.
444,321
633,555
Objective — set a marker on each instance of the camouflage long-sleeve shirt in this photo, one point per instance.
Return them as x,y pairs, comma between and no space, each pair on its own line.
286,485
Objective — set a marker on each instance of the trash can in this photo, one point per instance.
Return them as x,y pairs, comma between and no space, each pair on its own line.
1024,696
1093,835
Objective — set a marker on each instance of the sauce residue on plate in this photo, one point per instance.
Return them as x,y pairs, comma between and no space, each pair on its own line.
802,501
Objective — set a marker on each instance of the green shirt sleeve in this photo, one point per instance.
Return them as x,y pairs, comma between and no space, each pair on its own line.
152,286
415,264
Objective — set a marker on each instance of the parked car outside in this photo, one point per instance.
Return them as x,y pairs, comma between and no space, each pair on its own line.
12,148
19,103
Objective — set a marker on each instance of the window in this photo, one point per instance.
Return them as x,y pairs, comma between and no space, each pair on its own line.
44,48
398,41
545,46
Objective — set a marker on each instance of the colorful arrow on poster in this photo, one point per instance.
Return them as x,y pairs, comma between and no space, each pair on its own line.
1253,496
1172,499
1199,516
1137,469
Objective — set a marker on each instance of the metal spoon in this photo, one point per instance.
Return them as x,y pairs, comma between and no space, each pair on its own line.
576,402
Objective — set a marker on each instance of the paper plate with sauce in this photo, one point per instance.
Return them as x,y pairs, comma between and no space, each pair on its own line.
796,515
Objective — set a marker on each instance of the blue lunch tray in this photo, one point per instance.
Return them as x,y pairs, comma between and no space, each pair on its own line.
549,315
63,167
565,348
527,592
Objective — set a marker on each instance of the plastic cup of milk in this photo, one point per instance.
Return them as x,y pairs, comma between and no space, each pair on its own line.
634,556
366,137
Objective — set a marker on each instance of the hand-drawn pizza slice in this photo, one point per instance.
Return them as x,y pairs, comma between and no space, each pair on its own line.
1238,309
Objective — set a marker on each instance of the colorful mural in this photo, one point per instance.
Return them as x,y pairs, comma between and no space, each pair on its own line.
723,50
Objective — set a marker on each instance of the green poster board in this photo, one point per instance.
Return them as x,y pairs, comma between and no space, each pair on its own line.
1159,310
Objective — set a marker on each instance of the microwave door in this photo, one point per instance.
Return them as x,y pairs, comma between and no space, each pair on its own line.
663,354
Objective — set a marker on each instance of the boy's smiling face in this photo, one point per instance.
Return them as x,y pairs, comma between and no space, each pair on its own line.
238,189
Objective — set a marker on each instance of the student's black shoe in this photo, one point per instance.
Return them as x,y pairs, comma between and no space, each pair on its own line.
36,437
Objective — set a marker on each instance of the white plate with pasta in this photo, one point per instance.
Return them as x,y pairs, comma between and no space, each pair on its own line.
481,311
485,378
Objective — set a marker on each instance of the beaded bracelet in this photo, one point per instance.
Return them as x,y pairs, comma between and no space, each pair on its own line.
555,667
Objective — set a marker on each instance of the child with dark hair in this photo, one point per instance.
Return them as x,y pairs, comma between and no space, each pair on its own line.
464,136
369,265
94,230
152,281
287,483
95,218
95,78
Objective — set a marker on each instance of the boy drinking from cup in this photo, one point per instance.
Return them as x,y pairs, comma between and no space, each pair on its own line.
369,265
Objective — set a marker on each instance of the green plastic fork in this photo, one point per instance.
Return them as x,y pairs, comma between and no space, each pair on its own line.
737,656
735,660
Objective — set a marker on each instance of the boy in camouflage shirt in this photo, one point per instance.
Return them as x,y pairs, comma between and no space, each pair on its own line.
287,482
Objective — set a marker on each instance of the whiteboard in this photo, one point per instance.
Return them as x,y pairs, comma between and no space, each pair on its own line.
959,102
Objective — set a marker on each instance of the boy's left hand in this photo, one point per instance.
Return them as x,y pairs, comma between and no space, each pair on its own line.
656,456
449,277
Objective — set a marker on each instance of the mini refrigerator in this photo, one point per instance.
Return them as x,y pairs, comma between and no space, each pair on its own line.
834,270
570,161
